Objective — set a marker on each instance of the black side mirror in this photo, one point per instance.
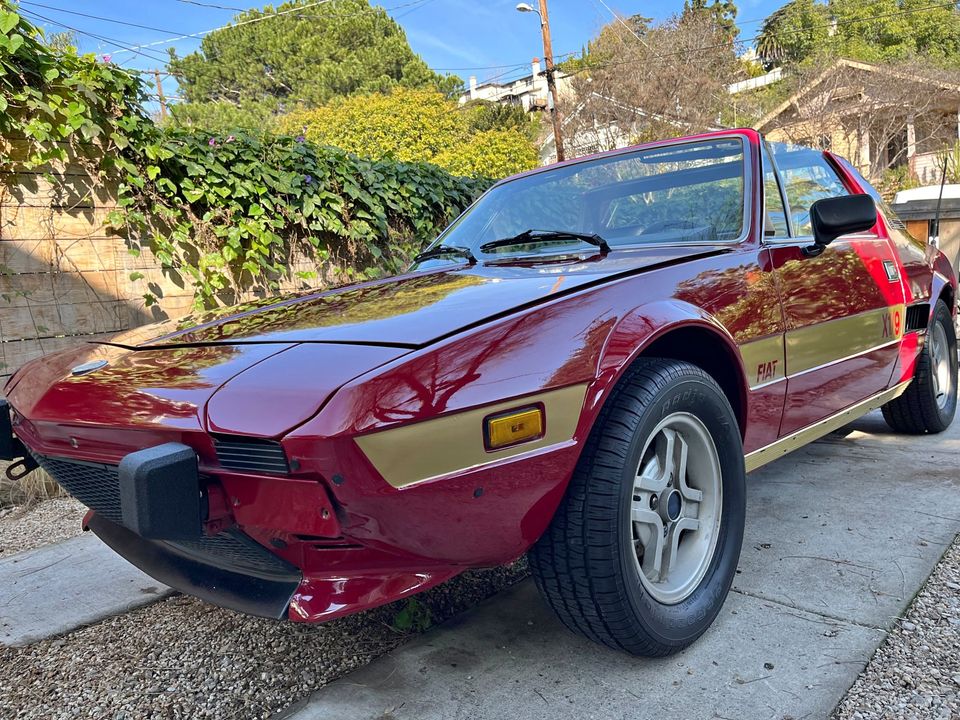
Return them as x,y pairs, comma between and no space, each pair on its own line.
836,216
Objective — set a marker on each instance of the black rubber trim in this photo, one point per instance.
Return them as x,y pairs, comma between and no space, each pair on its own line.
265,594
917,317
10,446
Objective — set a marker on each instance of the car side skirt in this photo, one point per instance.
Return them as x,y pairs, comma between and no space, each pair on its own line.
796,440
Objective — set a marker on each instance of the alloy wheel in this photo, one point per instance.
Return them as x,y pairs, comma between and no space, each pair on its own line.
676,508
940,360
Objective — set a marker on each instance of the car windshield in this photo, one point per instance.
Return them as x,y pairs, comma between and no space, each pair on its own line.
686,193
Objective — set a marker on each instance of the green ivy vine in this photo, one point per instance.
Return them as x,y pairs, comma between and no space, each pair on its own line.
228,213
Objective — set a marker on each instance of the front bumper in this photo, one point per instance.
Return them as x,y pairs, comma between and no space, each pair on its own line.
156,509
276,552
152,509
329,550
224,577
229,569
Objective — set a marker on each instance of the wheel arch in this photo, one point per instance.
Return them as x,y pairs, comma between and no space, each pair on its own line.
944,285
949,295
679,331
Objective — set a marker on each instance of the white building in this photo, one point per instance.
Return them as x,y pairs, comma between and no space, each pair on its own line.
530,92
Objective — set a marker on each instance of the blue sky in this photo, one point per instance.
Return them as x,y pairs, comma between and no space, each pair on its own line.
466,37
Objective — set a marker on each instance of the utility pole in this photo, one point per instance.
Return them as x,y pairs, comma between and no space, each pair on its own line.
163,103
551,80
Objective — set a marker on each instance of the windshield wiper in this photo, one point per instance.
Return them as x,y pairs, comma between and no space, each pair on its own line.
547,236
441,250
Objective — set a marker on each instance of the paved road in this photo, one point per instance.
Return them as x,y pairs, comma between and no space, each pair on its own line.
58,588
840,536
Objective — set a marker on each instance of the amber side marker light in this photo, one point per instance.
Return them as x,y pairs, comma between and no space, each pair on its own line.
513,427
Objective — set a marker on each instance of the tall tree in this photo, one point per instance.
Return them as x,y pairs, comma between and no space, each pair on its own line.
876,31
304,57
671,82
723,13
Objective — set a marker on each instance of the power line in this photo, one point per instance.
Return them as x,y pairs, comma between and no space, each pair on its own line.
838,23
201,33
95,17
413,5
266,16
102,38
212,5
417,6
500,67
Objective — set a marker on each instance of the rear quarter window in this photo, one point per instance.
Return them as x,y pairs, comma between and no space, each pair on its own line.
807,177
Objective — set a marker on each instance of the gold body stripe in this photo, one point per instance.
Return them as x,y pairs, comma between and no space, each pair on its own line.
816,345
454,443
763,361
794,441
771,359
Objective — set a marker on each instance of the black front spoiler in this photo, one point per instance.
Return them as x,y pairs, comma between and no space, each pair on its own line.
264,591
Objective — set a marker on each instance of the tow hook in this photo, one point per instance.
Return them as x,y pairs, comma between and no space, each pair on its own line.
22,463
21,468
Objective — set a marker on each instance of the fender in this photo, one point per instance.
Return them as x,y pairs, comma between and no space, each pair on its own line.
640,329
944,277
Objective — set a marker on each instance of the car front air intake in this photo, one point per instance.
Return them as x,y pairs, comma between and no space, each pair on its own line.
253,455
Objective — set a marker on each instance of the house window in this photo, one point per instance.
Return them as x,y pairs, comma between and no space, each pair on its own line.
897,149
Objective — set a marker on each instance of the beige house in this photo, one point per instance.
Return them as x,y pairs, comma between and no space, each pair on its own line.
878,117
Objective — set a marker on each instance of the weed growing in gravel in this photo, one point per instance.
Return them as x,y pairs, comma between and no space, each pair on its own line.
414,616
35,487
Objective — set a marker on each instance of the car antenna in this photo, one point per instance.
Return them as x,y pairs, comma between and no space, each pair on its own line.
935,231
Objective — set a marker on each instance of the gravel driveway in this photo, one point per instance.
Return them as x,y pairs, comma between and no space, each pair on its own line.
915,673
25,527
182,658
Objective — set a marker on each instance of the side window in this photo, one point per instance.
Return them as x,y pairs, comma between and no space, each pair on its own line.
775,219
807,177
893,220
900,233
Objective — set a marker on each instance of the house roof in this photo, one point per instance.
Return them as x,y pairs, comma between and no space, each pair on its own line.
887,70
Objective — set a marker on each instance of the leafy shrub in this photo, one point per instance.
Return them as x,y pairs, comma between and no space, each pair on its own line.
406,125
416,125
483,115
493,153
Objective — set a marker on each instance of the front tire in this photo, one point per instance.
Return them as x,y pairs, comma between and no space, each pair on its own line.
930,402
641,554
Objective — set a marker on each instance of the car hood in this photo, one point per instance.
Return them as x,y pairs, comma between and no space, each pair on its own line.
409,310
259,389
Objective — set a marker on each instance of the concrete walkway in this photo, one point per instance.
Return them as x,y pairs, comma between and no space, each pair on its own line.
840,535
58,588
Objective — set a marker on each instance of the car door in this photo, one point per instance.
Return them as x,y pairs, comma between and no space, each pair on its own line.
843,309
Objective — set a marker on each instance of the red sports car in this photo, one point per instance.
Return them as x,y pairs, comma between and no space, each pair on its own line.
583,366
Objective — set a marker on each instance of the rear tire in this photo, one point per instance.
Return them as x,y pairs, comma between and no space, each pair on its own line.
930,402
664,456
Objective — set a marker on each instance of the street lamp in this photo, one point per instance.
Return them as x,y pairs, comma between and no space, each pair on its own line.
551,81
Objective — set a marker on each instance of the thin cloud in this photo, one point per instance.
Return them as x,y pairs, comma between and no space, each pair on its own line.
470,56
